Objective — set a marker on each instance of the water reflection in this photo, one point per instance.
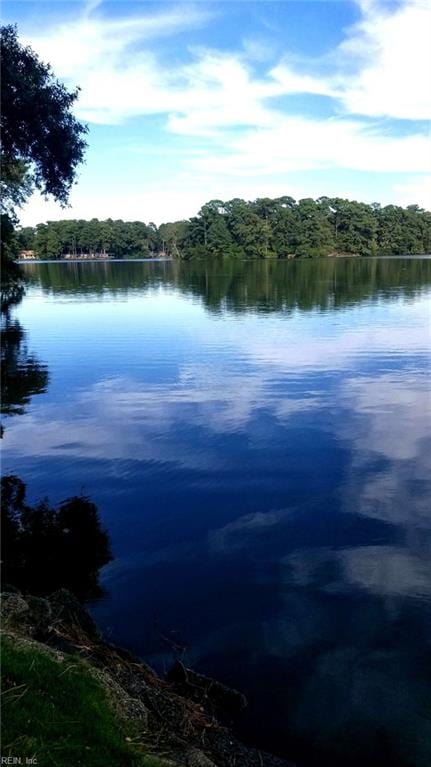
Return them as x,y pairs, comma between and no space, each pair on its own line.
240,286
44,549
22,375
256,438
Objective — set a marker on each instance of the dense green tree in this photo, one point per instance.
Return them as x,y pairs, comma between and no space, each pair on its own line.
171,238
15,184
53,242
41,138
208,233
250,232
310,233
354,225
282,227
75,238
42,144
25,238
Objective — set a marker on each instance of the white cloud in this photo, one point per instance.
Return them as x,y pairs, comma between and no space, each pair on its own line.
397,411
393,415
236,535
121,77
381,69
387,570
162,202
383,570
224,400
84,45
326,350
292,144
113,64
394,48
178,197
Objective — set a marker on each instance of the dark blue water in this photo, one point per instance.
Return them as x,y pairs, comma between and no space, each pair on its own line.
257,439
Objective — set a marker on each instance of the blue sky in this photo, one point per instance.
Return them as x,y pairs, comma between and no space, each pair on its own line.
191,102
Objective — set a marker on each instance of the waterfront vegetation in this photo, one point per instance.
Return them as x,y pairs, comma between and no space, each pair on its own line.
58,712
237,229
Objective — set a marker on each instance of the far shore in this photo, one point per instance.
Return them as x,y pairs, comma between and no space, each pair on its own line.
168,258
88,260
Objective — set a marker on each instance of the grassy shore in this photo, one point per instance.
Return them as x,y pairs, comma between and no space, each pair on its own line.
55,709
71,699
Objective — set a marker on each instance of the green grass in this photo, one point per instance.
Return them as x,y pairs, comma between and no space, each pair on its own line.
60,713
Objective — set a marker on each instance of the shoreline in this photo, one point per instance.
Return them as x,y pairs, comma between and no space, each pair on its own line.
184,719
88,260
20,262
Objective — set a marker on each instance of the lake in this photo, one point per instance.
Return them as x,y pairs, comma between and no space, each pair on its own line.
256,437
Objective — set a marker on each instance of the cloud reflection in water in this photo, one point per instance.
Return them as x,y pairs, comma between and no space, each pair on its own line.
264,477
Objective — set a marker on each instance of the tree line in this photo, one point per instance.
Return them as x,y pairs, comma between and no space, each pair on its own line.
261,229
118,239
283,227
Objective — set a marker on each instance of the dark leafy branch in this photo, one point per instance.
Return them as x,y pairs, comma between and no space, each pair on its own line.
42,141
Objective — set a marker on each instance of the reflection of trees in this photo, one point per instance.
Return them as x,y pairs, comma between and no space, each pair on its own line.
44,549
12,285
239,286
22,375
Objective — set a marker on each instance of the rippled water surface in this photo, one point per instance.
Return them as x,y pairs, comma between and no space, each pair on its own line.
256,437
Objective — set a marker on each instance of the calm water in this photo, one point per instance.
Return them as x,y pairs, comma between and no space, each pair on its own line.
256,437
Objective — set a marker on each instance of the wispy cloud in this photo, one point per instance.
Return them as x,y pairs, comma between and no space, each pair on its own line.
304,144
380,69
113,63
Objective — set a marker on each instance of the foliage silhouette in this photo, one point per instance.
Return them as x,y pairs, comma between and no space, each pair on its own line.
12,280
46,548
42,141
22,375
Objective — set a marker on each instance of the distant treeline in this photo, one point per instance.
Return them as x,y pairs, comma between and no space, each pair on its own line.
57,239
264,228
